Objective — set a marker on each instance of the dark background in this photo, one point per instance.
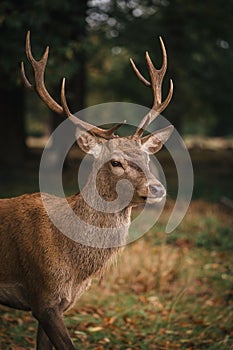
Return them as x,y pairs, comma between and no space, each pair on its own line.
91,43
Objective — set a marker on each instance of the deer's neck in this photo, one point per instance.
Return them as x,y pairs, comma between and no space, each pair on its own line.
100,216
101,186
100,193
97,212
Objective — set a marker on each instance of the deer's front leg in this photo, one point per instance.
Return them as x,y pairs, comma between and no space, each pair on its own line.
42,340
51,324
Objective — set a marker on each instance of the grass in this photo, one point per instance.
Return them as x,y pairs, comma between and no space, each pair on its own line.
166,292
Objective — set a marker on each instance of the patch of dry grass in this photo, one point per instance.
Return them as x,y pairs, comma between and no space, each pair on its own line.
153,263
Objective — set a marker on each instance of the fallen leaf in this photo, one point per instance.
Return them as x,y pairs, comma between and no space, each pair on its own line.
94,329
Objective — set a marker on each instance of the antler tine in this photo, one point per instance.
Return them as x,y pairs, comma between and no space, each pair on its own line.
156,76
39,70
139,75
106,134
27,83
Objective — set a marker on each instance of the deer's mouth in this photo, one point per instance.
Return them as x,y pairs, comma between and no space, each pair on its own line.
153,199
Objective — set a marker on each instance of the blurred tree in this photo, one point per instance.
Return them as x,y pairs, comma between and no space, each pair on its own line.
59,23
105,34
199,45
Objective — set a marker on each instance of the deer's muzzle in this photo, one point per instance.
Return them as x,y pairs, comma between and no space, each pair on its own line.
155,193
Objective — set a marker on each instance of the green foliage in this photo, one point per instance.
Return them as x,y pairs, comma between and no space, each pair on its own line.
58,24
199,45
102,35
212,235
55,23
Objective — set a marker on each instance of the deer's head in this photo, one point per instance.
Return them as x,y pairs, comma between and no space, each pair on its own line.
122,158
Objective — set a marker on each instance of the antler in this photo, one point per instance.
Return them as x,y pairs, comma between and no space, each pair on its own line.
39,87
156,76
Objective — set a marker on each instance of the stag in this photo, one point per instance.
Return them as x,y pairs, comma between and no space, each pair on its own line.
42,269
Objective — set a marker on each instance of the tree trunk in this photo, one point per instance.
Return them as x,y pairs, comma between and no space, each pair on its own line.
12,132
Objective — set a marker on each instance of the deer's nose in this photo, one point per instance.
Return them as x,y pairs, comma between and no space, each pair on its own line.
157,191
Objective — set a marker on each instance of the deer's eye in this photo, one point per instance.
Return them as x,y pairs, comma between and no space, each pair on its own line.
115,163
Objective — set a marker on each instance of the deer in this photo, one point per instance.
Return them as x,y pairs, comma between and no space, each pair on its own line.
42,269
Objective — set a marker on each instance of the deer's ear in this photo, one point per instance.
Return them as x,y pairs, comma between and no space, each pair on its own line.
154,142
89,144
